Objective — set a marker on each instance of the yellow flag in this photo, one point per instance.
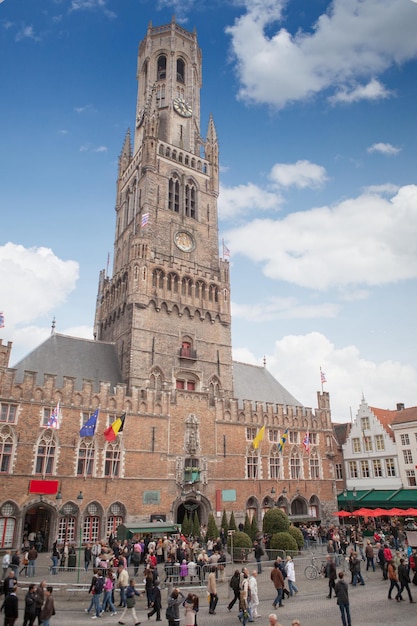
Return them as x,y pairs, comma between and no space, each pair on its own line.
259,437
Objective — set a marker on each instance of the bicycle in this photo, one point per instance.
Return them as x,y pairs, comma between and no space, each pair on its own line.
315,570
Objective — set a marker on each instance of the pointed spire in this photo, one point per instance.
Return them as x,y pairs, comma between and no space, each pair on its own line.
53,326
211,132
126,153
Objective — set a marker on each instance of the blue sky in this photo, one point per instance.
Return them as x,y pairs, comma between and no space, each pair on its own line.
315,109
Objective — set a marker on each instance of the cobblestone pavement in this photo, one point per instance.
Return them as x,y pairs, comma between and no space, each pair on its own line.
369,604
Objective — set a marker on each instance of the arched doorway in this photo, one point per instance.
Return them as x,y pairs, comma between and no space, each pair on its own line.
191,504
38,519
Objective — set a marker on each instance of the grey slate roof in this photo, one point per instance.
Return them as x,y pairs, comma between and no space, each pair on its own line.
252,382
71,356
96,360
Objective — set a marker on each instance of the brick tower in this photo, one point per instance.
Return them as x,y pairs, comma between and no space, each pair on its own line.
167,304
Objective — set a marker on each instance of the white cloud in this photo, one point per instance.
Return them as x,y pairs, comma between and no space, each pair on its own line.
27,338
363,241
101,149
33,282
91,5
63,131
296,357
365,39
374,90
84,109
301,174
27,32
388,188
384,148
283,308
234,201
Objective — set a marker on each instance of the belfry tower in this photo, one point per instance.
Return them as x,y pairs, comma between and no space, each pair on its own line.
167,304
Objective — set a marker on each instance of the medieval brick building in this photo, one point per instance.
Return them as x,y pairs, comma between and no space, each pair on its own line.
161,356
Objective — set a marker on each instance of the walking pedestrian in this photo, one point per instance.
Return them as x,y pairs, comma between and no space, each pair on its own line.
393,579
234,584
131,592
289,568
11,607
278,580
156,602
212,590
173,607
342,595
331,574
30,606
404,580
48,609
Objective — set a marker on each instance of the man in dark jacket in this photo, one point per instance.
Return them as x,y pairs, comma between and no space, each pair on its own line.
278,580
330,573
258,553
404,579
30,606
10,608
342,595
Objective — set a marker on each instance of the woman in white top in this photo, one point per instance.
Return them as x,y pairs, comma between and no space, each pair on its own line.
289,568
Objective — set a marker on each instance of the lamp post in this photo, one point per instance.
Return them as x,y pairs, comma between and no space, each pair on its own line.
80,498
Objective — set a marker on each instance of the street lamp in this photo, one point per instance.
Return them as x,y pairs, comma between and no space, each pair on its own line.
80,498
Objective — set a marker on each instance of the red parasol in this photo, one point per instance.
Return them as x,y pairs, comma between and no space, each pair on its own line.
395,512
380,512
363,513
342,513
411,512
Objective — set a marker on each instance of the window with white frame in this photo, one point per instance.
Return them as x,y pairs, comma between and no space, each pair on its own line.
275,464
314,467
251,433
252,464
377,467
313,438
273,434
367,444
379,442
411,478
405,439
45,454
112,458
86,457
408,457
356,444
8,412
293,436
390,467
365,423
295,466
353,469
6,450
339,471
364,469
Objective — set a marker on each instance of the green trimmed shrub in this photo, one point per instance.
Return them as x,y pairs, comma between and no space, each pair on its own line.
225,523
212,532
232,522
283,541
242,546
298,536
275,521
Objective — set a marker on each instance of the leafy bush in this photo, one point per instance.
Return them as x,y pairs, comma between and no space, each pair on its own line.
298,536
275,521
232,523
242,545
212,531
283,541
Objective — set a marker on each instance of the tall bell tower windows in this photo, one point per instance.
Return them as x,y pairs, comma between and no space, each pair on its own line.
180,71
174,195
161,72
190,195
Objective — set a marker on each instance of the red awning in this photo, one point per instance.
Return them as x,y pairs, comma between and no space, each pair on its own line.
44,487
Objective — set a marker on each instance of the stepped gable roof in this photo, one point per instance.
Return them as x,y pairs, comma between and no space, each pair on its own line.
385,417
405,416
255,383
62,355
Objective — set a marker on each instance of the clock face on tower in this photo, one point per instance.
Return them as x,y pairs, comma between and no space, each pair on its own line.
182,107
184,241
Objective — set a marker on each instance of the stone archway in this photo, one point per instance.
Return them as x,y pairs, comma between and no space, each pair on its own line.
192,503
40,517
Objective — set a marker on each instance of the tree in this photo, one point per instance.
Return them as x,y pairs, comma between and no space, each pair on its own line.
224,523
275,521
254,528
196,525
232,523
186,525
247,526
212,531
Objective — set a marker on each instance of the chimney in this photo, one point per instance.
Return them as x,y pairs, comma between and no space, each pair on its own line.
400,406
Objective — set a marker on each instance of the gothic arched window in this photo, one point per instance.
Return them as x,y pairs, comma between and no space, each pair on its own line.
158,279
6,450
86,457
295,465
161,72
190,200
186,286
45,454
274,463
172,282
174,195
180,71
314,463
252,464
112,460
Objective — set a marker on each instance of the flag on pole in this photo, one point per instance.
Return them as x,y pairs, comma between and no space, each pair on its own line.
53,421
283,440
145,220
259,438
114,429
322,377
226,251
1,319
307,442
89,428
